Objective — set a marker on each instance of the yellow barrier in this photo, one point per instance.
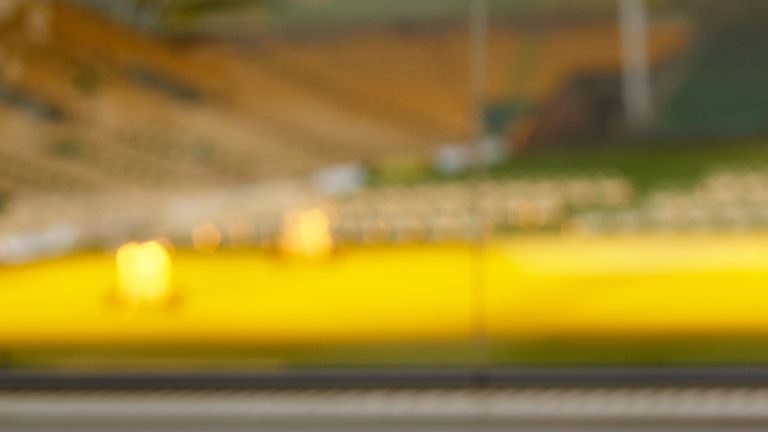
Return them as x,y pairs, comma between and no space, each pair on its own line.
535,286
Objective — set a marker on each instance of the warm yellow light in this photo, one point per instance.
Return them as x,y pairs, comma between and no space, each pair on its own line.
144,273
206,238
307,233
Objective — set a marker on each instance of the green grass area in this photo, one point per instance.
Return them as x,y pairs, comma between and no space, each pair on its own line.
647,167
695,351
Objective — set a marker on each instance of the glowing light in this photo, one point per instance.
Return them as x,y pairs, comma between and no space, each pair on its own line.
307,233
206,238
144,273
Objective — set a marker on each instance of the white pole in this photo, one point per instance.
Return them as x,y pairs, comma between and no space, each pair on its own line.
478,74
636,79
478,71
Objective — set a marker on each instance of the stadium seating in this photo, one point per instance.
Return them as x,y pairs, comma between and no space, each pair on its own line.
286,106
91,108
458,211
722,200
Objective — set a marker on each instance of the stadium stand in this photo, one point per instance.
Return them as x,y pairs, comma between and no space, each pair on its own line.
726,199
446,211
92,106
288,107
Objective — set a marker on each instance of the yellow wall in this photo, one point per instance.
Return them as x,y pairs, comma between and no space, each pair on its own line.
536,286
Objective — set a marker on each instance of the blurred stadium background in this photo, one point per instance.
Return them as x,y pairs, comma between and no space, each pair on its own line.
283,185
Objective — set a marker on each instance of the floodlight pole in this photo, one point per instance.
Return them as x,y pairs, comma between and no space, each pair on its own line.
478,60
636,76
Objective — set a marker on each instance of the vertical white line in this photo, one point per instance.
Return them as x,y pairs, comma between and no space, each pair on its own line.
636,79
478,74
